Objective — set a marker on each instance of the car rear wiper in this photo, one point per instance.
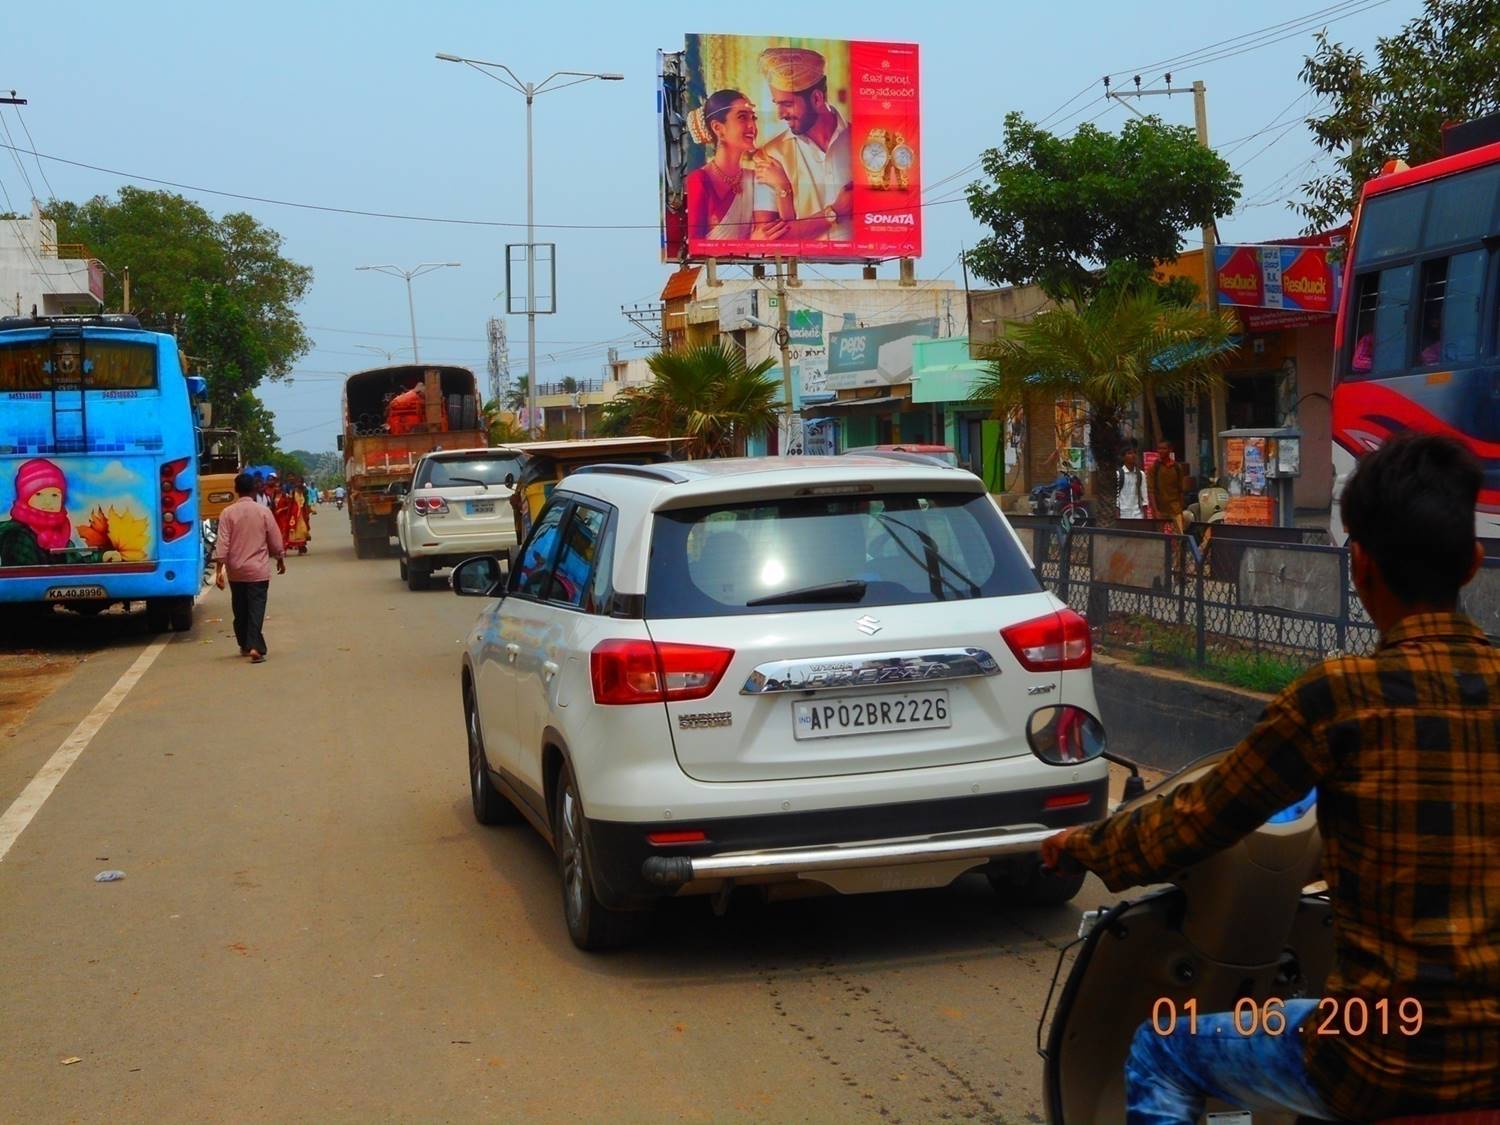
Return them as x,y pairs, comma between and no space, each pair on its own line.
849,590
470,480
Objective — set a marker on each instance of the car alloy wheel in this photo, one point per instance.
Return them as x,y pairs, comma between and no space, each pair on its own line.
570,851
490,805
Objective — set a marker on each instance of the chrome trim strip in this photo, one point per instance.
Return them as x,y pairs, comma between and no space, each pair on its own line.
869,669
1021,839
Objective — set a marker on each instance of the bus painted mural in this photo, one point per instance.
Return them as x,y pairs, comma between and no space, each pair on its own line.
78,511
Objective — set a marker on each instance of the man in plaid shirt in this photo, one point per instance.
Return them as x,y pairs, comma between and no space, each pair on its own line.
1403,747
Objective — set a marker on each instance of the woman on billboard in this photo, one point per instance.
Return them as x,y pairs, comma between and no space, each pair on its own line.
721,195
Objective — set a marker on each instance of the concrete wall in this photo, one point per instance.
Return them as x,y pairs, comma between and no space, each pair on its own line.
32,275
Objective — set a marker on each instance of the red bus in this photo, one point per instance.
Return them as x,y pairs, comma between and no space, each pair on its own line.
1418,338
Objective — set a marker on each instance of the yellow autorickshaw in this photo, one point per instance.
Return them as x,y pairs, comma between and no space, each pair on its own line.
544,463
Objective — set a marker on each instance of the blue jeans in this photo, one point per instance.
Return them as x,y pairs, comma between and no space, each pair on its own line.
1168,1077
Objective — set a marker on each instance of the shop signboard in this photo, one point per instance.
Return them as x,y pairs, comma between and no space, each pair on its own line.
748,122
806,326
1297,279
874,357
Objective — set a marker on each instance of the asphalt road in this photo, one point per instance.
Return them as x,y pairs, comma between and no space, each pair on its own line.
312,926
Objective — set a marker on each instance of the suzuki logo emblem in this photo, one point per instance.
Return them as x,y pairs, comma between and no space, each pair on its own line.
868,625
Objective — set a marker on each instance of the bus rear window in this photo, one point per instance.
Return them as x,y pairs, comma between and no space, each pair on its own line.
115,365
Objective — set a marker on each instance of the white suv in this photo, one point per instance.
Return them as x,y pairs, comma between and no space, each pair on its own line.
459,506
764,671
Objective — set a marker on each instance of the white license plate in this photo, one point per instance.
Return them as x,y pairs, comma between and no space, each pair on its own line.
481,507
75,593
870,714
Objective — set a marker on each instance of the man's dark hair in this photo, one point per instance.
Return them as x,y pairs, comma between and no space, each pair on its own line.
819,87
244,485
1410,505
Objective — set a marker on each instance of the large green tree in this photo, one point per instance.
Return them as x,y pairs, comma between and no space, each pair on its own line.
1108,349
707,394
223,285
1442,66
1061,208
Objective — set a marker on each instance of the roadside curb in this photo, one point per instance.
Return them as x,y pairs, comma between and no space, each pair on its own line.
1164,719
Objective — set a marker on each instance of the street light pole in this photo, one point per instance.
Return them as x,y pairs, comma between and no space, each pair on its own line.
530,90
407,275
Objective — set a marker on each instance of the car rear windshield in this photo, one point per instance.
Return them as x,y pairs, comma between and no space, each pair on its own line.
440,473
779,556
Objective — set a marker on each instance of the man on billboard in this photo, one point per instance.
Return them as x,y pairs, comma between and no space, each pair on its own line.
814,151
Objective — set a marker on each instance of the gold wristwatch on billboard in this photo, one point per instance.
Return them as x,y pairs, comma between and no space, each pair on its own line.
886,152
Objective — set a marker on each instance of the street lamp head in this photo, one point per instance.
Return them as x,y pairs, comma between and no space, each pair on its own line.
448,58
611,77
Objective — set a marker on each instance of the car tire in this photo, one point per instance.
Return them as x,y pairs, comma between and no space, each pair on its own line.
490,806
402,560
1025,883
592,925
417,575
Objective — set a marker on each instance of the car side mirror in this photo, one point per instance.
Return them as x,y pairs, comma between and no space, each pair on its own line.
1062,735
478,577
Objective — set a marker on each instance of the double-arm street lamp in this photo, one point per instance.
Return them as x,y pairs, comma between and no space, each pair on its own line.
406,275
557,80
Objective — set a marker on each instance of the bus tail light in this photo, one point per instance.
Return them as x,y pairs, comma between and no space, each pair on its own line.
172,500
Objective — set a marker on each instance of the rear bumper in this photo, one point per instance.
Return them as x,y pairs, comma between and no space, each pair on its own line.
630,870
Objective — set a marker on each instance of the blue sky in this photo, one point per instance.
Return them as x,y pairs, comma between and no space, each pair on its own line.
343,104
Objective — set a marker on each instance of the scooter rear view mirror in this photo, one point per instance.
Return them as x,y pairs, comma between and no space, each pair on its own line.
1062,735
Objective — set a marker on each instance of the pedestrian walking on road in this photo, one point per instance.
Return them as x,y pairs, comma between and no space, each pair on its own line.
248,541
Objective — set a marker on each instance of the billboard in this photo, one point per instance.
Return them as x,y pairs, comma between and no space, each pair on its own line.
1296,279
805,148
874,357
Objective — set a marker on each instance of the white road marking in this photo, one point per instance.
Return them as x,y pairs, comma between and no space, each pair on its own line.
40,787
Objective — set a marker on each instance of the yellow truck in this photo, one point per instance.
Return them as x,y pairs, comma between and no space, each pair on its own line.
392,416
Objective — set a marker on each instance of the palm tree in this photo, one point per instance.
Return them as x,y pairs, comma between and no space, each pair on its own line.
705,393
502,430
515,395
1108,350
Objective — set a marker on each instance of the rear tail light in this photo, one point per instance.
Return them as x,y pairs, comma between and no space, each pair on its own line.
430,506
641,671
1054,643
1066,800
173,525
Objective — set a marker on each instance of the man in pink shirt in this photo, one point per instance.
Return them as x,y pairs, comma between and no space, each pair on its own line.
248,541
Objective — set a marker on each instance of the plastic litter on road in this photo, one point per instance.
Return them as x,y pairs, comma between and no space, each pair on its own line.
109,876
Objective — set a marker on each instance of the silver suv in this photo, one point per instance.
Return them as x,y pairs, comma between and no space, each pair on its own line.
772,671
459,505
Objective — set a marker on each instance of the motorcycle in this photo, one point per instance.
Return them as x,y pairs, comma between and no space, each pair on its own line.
1241,931
1062,497
210,541
1198,519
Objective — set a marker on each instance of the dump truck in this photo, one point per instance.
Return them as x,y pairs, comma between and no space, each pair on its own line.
392,416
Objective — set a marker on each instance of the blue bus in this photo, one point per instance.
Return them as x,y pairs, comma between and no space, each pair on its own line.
98,468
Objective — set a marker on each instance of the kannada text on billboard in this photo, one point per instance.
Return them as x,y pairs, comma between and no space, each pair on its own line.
806,148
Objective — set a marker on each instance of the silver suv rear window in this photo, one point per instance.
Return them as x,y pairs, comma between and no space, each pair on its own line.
905,548
439,472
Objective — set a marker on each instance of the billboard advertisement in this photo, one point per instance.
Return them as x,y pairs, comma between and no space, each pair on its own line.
1297,279
874,357
805,148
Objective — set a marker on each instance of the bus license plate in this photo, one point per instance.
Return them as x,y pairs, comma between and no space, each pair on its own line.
481,507
870,714
75,593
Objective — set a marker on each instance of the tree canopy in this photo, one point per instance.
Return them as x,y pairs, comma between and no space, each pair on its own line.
705,393
1059,208
222,285
1108,350
1442,66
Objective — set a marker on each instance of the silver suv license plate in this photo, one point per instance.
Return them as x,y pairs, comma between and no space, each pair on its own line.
481,507
870,714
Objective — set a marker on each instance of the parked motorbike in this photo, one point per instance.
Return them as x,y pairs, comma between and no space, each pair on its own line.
1062,497
1198,518
1240,931
210,541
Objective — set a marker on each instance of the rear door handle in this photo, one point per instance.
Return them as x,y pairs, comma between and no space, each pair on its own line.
511,651
549,669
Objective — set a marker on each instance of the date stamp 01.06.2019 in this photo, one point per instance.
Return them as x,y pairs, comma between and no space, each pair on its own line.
1353,1016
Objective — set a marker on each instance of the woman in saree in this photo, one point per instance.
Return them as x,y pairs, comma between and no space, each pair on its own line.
300,532
739,193
281,507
